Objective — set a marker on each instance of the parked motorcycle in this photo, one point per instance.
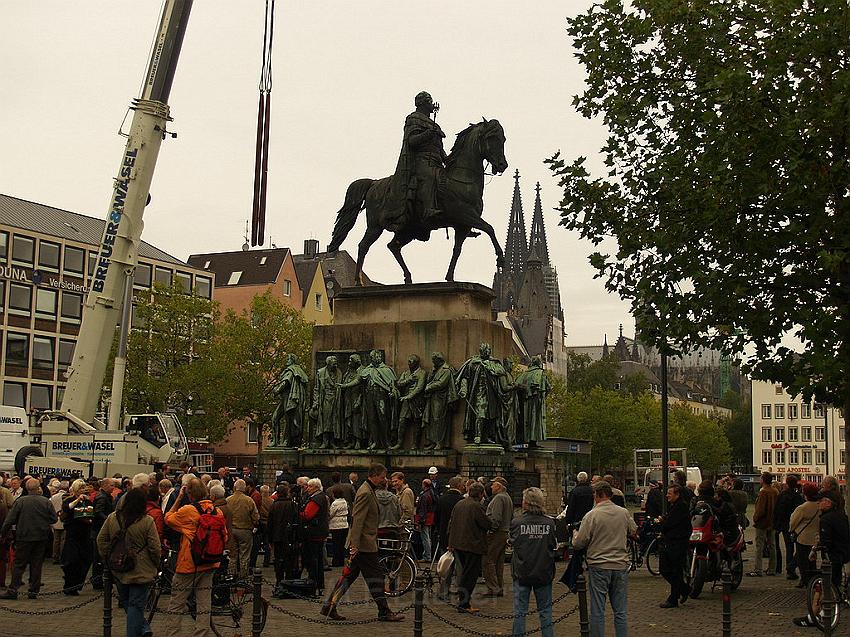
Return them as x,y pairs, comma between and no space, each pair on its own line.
708,552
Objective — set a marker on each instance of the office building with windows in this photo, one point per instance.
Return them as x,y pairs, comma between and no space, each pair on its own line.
792,436
46,258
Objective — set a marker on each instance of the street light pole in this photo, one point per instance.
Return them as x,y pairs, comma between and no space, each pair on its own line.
665,441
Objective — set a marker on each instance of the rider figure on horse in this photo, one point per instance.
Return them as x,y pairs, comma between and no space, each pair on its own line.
421,161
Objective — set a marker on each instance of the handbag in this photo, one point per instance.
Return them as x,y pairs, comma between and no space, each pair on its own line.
793,535
444,564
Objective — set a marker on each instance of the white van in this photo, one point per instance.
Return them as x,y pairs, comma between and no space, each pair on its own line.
14,434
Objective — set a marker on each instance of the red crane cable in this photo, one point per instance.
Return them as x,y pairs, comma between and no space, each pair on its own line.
261,160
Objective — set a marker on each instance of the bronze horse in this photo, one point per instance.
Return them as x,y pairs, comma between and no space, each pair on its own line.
460,200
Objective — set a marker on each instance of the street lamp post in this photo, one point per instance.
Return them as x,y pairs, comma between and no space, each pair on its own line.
665,439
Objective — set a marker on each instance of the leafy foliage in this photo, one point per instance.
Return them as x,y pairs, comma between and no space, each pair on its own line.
728,177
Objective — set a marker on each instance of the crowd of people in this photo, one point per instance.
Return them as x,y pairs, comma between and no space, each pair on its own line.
189,524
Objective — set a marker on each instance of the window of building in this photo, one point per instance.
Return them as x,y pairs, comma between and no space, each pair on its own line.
184,280
820,457
793,434
780,434
60,394
766,411
780,457
820,434
17,349
766,457
807,434
42,352
72,306
841,435
765,434
819,410
792,411
4,245
14,394
66,354
142,276
163,276
137,321
234,277
779,411
48,255
805,410
45,303
263,260
92,262
40,397
844,457
23,250
20,299
807,457
74,260
777,389
206,265
794,457
319,302
287,287
252,433
2,297
203,286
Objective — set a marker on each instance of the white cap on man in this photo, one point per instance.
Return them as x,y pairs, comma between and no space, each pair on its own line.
432,471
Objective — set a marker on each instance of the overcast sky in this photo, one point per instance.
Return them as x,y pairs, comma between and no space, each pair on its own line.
345,74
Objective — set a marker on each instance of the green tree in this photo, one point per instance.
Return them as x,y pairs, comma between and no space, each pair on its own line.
727,188
584,374
170,330
243,361
739,431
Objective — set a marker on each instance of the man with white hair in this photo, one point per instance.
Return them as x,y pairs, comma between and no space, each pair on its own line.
580,500
314,516
31,515
58,526
243,518
533,562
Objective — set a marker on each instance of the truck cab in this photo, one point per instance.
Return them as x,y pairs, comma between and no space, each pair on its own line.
14,434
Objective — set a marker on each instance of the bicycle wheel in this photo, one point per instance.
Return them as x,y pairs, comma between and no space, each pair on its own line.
236,616
153,600
400,572
814,602
652,557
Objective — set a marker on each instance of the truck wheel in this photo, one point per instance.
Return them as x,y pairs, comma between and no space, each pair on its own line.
23,454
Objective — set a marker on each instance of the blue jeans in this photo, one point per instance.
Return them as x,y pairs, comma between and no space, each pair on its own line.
425,535
132,598
543,595
604,582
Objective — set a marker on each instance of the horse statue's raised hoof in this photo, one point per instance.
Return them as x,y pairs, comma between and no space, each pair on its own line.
408,280
450,278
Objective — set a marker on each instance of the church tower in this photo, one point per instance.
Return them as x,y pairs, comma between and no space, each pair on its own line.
507,283
538,241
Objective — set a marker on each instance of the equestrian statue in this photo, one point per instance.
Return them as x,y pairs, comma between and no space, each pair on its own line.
429,189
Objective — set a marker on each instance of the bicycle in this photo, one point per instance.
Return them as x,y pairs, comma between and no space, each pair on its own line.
396,557
232,598
640,550
814,598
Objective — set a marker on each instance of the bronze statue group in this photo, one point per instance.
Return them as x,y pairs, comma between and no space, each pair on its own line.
368,407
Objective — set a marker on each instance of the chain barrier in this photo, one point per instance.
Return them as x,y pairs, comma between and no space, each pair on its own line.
52,611
325,620
479,633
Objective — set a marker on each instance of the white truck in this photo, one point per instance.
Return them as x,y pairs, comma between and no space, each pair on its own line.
71,441
647,467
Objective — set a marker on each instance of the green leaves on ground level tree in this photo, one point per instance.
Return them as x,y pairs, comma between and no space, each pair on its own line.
727,183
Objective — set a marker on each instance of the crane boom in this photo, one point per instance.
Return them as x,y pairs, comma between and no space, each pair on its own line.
118,252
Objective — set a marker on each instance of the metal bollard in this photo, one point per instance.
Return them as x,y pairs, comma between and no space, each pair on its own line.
418,604
726,577
107,603
257,622
827,600
583,622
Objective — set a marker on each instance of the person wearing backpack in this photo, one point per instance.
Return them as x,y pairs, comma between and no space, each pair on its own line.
203,535
128,544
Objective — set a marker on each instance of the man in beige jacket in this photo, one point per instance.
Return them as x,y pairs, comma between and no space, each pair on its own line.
406,498
243,519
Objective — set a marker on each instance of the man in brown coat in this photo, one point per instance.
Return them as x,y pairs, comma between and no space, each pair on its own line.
468,529
363,550
763,523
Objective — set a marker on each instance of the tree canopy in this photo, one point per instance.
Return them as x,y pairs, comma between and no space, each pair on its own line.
727,178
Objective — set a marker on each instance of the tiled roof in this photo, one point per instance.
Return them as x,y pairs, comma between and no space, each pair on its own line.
258,267
71,226
339,266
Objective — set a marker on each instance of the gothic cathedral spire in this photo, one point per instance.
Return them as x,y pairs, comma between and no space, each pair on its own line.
538,229
516,246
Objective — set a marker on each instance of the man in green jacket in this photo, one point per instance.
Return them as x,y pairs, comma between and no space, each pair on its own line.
468,541
763,522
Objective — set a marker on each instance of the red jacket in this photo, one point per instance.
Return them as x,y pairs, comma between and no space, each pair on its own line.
154,510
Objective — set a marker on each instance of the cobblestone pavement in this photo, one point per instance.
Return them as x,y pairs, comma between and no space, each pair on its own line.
761,607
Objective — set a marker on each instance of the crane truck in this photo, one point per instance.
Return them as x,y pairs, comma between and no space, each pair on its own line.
71,441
